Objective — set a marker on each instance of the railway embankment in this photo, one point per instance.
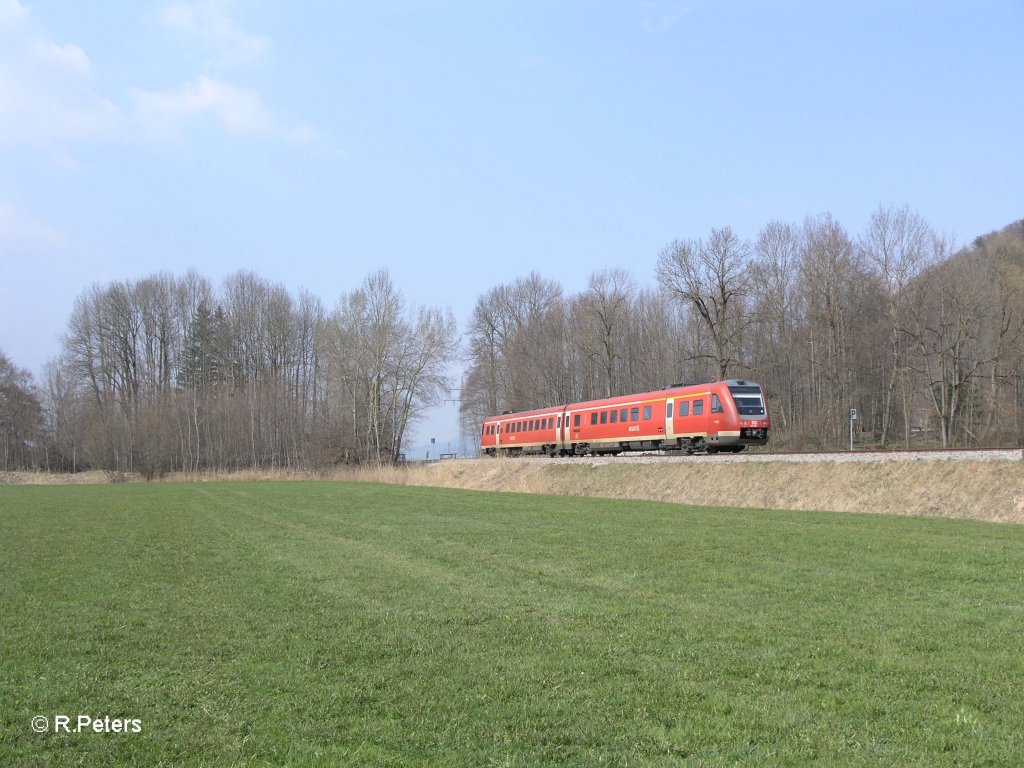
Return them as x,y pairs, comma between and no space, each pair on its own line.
981,487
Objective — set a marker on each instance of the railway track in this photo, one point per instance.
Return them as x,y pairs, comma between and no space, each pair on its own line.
938,454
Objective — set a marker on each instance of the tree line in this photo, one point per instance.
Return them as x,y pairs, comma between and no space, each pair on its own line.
168,373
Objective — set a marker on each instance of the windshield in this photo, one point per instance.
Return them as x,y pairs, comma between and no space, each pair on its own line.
748,400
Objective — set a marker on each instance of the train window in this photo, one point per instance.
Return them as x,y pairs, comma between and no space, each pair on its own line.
576,420
593,418
615,417
634,414
604,417
624,415
668,409
684,409
698,407
748,399
647,412
559,422
716,404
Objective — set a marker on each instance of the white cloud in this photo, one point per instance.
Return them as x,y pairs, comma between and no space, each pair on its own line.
660,16
12,12
49,98
209,23
19,229
165,114
46,91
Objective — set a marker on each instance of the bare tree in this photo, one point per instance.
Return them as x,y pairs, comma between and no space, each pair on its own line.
896,245
948,315
713,278
607,303
390,364
834,280
21,417
779,313
516,348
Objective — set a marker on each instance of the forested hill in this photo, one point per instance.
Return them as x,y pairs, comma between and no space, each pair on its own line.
167,373
924,339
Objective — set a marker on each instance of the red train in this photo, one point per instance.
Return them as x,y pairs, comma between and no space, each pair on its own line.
721,416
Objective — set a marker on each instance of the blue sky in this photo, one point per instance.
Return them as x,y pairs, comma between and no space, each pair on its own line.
465,144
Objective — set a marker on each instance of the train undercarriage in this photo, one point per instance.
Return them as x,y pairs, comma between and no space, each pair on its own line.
683,445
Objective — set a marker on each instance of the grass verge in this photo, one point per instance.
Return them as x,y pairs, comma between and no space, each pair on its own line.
359,624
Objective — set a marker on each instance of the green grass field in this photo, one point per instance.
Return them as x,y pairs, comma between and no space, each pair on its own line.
344,624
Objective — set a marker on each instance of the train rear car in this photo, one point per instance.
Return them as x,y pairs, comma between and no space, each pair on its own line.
522,433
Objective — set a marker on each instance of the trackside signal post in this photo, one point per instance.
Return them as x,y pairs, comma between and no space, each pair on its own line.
853,418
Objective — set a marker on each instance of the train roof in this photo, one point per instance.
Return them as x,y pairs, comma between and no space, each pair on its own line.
620,398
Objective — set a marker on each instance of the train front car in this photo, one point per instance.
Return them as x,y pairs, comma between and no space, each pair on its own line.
744,419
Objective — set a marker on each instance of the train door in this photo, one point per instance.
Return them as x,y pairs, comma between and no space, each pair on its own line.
563,432
670,429
715,417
